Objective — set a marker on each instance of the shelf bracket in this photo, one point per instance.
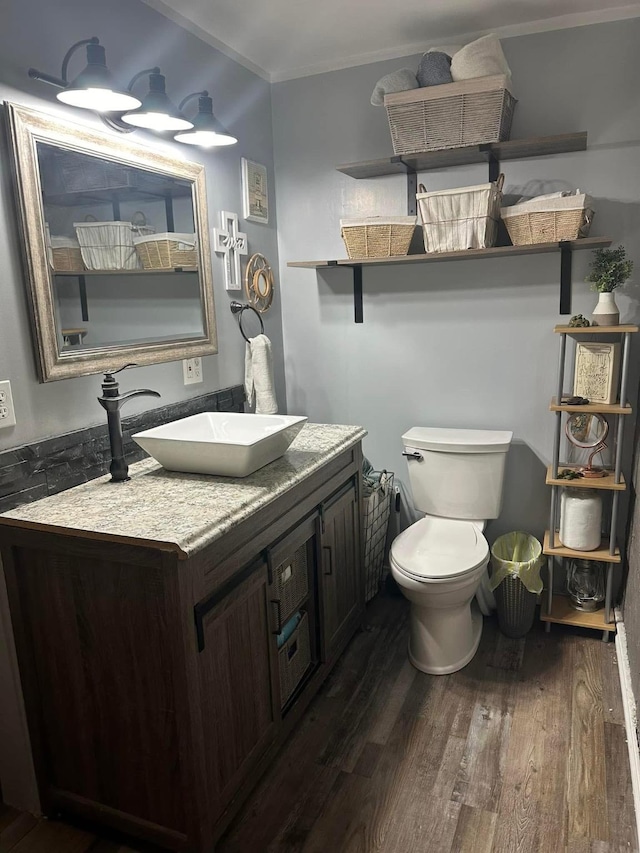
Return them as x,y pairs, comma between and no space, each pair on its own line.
357,295
356,269
412,189
84,306
566,258
493,160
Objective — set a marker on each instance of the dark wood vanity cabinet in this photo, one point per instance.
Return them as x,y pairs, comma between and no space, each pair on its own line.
152,682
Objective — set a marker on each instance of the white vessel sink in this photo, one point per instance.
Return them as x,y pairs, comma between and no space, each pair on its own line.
229,444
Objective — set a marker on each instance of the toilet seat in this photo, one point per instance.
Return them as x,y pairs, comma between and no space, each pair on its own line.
439,549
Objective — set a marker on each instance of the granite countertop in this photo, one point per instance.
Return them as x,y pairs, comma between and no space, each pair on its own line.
182,512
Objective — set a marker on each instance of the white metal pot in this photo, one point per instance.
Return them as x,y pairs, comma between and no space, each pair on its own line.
606,311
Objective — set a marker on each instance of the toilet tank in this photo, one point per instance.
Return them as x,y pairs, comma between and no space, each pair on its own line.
457,473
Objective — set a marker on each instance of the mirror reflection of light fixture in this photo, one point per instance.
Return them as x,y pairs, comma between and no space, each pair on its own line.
589,431
157,111
207,131
95,87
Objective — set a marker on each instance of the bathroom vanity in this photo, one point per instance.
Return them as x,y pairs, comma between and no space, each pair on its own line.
145,615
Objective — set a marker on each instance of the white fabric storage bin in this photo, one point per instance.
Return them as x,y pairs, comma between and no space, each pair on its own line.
108,245
461,218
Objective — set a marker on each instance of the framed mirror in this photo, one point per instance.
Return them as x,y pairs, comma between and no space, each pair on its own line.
116,246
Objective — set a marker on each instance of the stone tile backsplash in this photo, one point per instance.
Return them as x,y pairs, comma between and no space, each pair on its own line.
49,466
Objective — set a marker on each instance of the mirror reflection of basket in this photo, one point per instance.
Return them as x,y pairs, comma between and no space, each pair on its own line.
81,172
549,220
460,218
109,245
65,254
167,251
377,508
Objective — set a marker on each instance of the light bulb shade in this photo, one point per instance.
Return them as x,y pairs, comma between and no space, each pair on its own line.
95,87
207,131
157,111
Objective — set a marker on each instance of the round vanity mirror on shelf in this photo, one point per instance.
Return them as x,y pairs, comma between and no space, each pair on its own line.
588,431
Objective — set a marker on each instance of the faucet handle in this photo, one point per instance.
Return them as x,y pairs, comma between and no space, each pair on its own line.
108,377
110,383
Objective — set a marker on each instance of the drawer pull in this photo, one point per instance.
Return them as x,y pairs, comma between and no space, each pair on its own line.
329,550
278,605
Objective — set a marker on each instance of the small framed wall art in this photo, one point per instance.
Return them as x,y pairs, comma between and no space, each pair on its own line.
596,372
255,201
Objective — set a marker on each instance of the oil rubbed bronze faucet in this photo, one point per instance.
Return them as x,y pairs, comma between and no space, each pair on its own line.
112,401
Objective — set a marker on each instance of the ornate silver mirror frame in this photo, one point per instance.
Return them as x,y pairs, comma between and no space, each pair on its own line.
27,128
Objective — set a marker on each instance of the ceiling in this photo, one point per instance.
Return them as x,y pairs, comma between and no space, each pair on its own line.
283,39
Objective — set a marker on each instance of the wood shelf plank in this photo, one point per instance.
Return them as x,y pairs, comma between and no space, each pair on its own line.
595,330
463,255
602,553
514,149
562,613
591,408
607,482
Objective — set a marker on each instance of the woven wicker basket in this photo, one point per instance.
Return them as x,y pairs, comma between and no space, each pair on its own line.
67,259
567,218
291,582
378,236
471,112
167,251
293,660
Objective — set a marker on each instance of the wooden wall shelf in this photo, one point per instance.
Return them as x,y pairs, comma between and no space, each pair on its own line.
565,248
594,330
515,149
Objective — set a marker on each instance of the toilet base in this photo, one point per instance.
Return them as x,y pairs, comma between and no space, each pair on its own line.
421,648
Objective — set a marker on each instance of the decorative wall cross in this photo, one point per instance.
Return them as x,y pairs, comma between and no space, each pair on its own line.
231,243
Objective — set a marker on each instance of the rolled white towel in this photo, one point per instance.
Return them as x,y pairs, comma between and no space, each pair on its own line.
258,376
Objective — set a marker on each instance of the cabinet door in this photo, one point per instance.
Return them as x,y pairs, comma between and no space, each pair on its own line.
238,702
342,595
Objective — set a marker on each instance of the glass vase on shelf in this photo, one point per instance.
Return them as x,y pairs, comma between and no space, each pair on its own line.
585,584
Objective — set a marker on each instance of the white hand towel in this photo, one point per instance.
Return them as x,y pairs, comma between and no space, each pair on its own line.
258,376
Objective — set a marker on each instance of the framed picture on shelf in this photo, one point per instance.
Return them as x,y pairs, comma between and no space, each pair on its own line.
596,372
255,202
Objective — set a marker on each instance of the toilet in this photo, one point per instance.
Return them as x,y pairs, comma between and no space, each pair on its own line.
456,478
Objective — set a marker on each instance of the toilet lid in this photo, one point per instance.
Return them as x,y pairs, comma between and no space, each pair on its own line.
439,548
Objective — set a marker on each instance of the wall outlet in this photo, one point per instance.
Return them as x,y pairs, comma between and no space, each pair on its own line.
7,412
192,371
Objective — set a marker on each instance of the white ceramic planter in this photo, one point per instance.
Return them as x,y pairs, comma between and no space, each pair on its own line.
606,311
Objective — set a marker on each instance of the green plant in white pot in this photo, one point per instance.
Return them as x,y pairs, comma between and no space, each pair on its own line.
610,268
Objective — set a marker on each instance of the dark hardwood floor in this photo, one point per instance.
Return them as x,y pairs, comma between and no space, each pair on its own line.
522,751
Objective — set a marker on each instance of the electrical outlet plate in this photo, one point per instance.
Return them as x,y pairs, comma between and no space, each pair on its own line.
192,371
7,411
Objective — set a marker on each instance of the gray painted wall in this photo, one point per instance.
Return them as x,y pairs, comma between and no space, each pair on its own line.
135,37
465,344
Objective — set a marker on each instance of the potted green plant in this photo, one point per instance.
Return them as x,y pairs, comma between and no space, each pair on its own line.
610,268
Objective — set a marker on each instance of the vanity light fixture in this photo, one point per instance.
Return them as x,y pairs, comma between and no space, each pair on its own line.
207,131
95,87
157,111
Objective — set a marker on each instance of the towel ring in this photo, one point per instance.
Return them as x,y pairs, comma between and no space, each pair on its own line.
238,308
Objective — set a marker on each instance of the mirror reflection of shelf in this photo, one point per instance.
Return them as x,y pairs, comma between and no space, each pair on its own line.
78,273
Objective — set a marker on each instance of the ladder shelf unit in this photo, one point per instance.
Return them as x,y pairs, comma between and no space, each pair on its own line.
557,608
